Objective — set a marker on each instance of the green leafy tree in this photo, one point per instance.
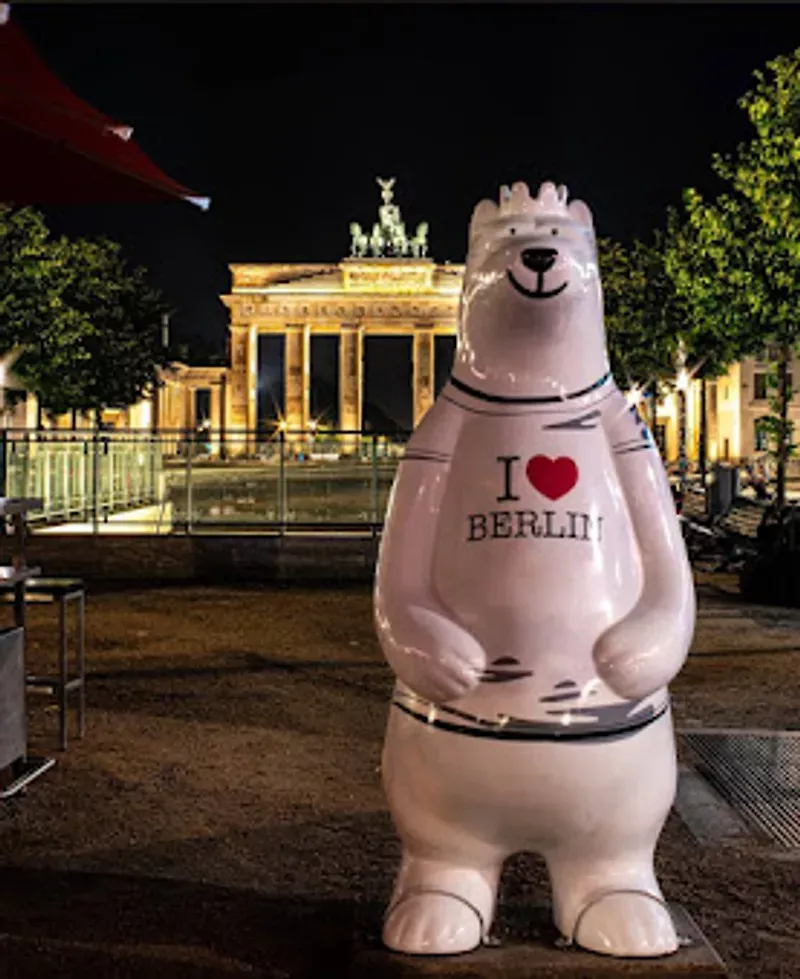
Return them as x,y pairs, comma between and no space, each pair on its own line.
113,323
710,334
642,321
86,329
745,244
645,319
33,314
27,290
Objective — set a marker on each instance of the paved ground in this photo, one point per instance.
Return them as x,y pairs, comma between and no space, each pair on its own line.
224,816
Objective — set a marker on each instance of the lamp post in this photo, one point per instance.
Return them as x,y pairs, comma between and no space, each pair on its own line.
682,385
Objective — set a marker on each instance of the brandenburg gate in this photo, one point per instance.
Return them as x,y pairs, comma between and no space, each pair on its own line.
387,287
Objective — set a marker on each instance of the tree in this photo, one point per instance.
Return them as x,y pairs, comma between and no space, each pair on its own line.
745,245
641,317
32,313
711,337
112,320
89,329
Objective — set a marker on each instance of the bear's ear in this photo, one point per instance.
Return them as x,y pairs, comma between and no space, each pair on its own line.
579,211
484,212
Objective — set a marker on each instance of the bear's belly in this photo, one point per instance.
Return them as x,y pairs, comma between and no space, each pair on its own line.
535,551
536,556
534,795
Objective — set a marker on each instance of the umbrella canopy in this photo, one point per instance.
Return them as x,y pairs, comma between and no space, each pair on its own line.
57,149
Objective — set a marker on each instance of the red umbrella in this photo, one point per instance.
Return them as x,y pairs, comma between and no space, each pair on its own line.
57,149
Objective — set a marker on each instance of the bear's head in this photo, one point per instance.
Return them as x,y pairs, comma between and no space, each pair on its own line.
531,317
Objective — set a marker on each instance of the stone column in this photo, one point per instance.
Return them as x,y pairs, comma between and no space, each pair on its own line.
215,416
31,411
189,420
351,376
423,371
297,373
713,421
223,416
238,407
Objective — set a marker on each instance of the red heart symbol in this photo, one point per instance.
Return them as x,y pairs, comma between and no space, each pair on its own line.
553,478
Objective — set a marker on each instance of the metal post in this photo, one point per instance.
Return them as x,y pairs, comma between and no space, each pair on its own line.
95,478
682,460
109,495
282,481
84,469
151,495
4,463
374,482
188,484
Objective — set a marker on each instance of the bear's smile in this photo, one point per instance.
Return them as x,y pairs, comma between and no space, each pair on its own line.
540,292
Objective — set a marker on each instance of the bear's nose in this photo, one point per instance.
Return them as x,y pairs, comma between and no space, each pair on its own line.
539,259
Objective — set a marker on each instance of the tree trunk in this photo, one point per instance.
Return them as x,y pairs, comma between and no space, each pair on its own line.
783,430
702,447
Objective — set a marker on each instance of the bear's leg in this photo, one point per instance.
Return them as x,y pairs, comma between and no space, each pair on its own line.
441,906
611,904
444,897
605,893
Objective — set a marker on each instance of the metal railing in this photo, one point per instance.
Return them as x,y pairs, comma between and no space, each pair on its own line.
178,482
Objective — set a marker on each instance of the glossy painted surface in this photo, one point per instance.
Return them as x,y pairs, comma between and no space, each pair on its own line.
534,599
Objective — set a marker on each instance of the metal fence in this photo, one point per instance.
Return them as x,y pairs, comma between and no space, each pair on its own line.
178,482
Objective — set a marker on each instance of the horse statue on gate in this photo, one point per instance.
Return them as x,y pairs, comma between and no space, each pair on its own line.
419,243
359,241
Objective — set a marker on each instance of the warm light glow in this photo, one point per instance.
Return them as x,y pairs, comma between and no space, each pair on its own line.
282,425
634,396
312,425
682,381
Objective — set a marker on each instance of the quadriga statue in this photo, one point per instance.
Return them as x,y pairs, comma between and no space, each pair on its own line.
534,599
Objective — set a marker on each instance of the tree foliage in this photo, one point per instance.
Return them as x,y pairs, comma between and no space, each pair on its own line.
745,244
89,327
641,311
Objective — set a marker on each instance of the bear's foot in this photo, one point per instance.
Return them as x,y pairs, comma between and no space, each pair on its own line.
432,922
626,923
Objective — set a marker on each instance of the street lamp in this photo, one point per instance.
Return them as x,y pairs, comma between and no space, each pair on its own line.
682,385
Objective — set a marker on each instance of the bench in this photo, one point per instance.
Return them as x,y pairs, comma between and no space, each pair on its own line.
737,531
728,538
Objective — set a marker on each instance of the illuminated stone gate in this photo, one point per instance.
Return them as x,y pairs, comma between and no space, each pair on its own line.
387,287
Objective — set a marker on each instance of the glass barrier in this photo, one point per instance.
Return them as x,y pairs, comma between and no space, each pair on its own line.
166,482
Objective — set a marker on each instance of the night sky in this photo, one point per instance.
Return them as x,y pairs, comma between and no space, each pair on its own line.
285,114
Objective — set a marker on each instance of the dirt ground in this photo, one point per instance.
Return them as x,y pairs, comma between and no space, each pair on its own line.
224,815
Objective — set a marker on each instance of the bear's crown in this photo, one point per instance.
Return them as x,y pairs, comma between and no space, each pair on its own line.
516,204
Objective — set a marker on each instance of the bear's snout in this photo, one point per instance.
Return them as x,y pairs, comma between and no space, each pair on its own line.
539,259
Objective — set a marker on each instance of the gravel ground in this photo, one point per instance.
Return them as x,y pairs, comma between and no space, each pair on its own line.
224,815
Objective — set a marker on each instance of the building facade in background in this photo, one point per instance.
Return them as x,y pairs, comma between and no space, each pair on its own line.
388,286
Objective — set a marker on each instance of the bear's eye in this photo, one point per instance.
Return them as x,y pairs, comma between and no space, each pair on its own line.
512,231
554,231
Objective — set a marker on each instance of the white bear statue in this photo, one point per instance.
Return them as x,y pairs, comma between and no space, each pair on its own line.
534,599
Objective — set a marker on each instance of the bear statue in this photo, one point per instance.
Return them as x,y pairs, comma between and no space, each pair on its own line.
534,599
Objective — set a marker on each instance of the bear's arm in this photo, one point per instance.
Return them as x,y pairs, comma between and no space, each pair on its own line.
425,647
644,651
